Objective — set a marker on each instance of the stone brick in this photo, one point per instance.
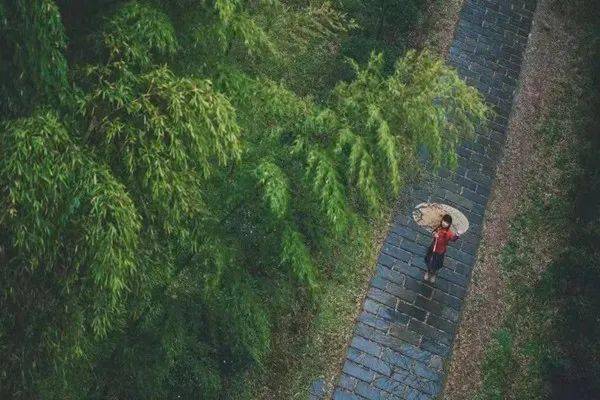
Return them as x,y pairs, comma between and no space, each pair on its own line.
382,297
473,196
457,266
416,382
374,321
369,362
430,332
446,299
453,277
390,385
390,275
367,346
403,333
459,255
339,394
413,247
400,292
376,336
317,388
396,359
369,392
435,347
456,291
404,231
419,287
469,244
371,306
414,394
441,324
396,252
347,382
419,261
424,239
411,310
358,371
426,372
450,314
457,199
386,260
393,316
414,271
393,239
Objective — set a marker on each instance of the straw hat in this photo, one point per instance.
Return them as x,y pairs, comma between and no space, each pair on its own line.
429,216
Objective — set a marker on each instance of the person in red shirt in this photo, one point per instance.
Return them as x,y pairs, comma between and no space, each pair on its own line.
434,259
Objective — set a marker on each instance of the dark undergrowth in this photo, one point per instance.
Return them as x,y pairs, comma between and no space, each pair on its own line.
549,344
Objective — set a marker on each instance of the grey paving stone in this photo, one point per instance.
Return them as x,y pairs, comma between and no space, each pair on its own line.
394,316
435,347
367,346
396,252
347,382
430,332
371,306
413,247
317,388
368,361
459,255
447,300
388,341
386,260
382,297
453,277
457,199
419,287
392,288
397,360
417,382
411,310
370,392
436,363
392,386
404,231
390,274
457,291
407,335
426,372
374,321
358,371
441,324
339,394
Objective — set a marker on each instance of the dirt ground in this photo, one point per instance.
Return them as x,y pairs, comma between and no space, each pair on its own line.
545,64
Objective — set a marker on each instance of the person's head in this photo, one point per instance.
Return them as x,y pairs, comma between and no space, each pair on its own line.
446,221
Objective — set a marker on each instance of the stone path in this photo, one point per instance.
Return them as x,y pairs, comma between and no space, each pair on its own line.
405,331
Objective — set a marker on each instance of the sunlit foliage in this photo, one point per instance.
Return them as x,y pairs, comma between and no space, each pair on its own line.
164,165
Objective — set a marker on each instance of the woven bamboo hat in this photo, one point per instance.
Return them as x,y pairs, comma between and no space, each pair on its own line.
429,216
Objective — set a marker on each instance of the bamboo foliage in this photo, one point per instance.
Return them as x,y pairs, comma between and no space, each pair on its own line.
66,217
295,253
37,52
170,198
275,187
328,187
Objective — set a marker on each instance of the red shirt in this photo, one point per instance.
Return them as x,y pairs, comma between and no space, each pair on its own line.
441,237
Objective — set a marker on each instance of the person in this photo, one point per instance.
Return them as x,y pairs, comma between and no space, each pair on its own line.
434,258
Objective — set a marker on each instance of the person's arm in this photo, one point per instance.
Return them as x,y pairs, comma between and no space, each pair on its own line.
455,236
